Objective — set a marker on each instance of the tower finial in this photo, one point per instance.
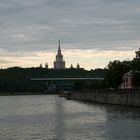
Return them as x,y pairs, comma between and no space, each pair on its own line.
59,43
59,49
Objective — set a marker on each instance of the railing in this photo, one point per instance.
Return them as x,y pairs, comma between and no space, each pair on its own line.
110,91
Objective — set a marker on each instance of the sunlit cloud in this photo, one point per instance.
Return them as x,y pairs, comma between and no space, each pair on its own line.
92,59
89,59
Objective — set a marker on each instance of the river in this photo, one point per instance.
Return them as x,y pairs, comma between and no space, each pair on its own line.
48,117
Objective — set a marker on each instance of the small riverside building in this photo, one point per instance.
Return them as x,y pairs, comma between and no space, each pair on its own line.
59,63
127,81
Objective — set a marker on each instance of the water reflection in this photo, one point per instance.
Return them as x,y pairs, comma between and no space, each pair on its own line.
123,112
60,119
54,118
122,122
116,111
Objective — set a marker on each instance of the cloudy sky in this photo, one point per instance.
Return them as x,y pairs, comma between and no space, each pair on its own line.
92,32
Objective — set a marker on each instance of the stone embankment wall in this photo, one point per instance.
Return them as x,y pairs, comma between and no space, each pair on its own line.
129,99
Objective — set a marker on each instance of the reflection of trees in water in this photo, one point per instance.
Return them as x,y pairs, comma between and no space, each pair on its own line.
123,112
122,123
126,112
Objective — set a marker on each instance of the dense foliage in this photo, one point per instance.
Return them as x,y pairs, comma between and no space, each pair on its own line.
18,79
136,79
116,70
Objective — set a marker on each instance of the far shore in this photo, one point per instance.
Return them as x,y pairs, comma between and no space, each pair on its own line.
26,93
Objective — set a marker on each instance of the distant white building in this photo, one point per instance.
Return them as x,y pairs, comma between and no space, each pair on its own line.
127,81
59,63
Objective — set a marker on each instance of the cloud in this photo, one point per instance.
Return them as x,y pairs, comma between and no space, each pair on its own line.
92,59
101,25
97,58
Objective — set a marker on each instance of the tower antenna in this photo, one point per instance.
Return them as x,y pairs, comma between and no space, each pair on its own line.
59,49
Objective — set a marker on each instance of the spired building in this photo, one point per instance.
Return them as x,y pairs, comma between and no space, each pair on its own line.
59,63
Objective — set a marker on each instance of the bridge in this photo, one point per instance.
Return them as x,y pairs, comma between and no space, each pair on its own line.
63,83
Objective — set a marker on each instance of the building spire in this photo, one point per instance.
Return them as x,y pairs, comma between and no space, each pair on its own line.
59,49
59,63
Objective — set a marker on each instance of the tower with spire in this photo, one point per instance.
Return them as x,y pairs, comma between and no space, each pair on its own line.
59,63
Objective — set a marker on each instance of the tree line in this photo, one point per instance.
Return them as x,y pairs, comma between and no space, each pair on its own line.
116,70
17,79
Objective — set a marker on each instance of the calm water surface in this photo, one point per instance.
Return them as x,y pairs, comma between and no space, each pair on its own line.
52,118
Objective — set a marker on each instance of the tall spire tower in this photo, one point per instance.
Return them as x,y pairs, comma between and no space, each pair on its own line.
59,49
59,63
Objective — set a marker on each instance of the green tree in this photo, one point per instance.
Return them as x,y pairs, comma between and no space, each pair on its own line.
136,79
116,69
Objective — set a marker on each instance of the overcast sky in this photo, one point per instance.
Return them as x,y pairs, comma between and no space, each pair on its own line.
92,32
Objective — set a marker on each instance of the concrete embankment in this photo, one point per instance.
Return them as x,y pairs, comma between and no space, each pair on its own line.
129,99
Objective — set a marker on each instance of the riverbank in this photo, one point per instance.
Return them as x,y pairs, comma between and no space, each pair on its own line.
26,93
128,99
